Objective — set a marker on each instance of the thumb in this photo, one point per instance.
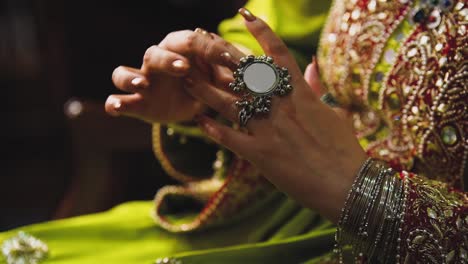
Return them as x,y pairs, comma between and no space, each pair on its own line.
312,78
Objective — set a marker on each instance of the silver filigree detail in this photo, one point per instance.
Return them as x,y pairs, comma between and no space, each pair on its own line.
254,102
24,249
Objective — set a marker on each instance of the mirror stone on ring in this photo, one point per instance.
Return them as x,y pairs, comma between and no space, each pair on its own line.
260,77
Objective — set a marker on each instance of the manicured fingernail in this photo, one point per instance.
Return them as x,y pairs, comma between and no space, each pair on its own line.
137,81
201,31
247,14
115,103
316,66
227,57
179,65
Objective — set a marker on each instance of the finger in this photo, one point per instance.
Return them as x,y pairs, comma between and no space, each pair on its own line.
125,104
203,31
236,141
233,55
311,75
271,43
159,60
312,78
222,77
219,100
129,79
212,50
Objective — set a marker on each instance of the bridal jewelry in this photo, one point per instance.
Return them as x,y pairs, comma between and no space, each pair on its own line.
371,217
258,79
24,248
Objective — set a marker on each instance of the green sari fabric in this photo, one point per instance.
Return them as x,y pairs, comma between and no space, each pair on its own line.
127,234
281,231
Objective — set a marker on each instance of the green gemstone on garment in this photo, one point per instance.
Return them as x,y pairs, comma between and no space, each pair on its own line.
394,101
449,135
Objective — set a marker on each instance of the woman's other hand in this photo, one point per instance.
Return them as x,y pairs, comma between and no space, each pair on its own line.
156,92
303,146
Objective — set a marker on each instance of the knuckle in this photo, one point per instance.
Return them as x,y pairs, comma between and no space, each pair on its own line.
221,42
183,32
191,40
116,74
149,53
172,35
208,49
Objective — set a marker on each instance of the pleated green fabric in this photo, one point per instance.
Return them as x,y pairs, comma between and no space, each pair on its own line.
127,234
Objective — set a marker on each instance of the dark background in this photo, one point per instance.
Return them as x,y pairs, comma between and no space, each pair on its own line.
61,154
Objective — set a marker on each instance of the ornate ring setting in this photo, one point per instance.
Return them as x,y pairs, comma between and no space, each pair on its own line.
257,79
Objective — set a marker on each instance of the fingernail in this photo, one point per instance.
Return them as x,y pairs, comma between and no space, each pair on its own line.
201,31
227,57
115,103
247,14
179,65
316,67
137,81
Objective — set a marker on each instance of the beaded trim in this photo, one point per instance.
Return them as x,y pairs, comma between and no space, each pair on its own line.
164,161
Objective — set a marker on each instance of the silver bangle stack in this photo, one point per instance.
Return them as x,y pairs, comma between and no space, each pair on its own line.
371,217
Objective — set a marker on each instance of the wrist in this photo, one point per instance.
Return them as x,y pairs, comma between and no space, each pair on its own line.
340,185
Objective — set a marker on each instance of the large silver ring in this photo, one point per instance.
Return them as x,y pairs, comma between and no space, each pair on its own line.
257,79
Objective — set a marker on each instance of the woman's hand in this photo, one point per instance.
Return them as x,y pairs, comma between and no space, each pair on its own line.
302,146
156,92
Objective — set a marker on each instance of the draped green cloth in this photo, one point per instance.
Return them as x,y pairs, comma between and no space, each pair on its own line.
127,234
280,231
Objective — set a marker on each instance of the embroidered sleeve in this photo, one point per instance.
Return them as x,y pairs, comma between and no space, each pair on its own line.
435,226
401,217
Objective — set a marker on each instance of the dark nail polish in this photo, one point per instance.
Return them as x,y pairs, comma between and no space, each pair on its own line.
247,14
